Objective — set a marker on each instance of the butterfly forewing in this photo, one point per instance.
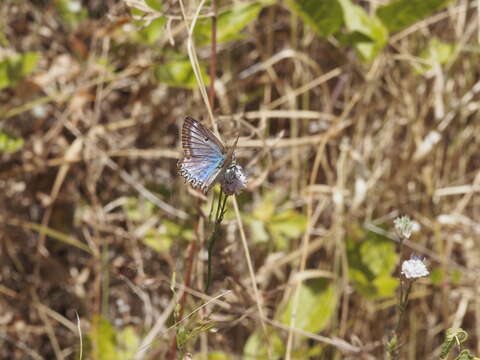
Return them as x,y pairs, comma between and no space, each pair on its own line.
204,155
197,139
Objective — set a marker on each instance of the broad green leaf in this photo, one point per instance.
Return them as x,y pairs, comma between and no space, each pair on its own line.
437,276
138,211
160,239
324,17
157,241
28,63
317,301
256,346
16,68
361,26
379,255
385,286
9,143
437,52
109,344
229,23
178,73
102,336
399,14
127,343
153,31
273,219
155,4
290,223
371,259
285,226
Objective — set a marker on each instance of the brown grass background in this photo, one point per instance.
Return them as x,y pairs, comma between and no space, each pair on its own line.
97,135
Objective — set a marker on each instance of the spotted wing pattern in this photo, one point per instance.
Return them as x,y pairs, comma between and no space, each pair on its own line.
204,155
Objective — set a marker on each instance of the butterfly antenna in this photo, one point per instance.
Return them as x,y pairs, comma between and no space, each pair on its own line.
236,141
232,148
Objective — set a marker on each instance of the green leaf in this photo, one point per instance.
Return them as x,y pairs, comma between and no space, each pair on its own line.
157,241
385,286
361,26
453,337
153,31
102,336
229,23
138,211
285,226
465,355
127,343
161,239
109,344
155,4
179,73
371,260
324,17
317,302
436,52
399,14
436,276
16,68
256,346
28,63
9,143
290,223
379,255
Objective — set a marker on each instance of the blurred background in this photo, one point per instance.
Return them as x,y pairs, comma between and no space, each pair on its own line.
350,114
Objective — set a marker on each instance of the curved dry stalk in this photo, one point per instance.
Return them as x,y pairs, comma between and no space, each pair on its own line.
252,273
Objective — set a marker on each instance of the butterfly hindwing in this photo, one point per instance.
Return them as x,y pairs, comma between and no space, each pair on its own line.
205,155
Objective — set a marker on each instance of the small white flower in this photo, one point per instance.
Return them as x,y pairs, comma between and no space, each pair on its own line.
404,226
414,268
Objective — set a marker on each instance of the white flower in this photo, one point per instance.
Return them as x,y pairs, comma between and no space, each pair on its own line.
414,268
404,226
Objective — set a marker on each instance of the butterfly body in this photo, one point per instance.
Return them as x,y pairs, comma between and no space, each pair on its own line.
206,160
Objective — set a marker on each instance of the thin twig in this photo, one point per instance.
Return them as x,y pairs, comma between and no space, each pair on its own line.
252,273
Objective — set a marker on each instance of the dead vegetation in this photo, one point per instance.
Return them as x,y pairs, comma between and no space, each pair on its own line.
95,219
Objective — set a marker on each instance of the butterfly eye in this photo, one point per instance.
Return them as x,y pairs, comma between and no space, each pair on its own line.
206,139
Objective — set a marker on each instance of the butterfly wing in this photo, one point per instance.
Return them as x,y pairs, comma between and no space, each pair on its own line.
204,157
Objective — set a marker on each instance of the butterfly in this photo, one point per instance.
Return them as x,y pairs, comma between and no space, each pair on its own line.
206,160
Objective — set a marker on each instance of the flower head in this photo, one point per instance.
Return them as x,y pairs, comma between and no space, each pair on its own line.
414,268
404,225
233,180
